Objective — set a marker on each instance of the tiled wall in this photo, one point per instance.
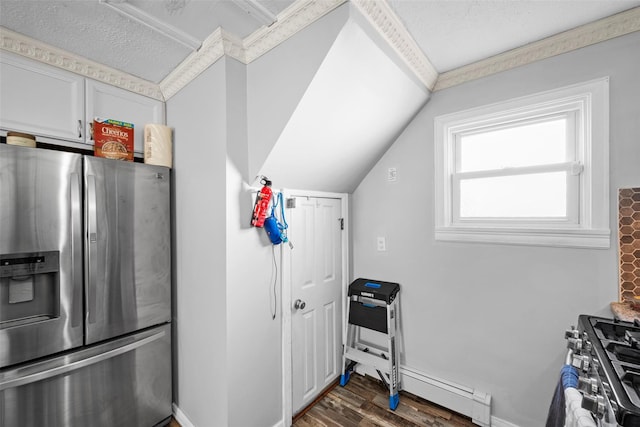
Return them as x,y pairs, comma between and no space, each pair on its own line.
629,238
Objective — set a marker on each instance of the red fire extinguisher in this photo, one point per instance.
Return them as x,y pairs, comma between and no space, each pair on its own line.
261,206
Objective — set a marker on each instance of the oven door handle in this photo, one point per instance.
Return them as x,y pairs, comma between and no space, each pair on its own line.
568,360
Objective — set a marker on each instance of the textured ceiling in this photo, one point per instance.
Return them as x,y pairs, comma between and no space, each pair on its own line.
456,33
99,31
451,33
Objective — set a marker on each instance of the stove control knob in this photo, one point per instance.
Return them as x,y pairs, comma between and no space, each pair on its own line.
582,362
572,333
586,345
594,403
588,385
574,344
596,364
606,388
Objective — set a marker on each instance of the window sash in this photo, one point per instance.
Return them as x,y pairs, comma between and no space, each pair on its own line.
569,114
589,168
571,167
572,217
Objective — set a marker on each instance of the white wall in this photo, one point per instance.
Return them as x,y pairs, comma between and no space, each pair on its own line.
493,317
227,349
277,81
354,108
198,116
254,338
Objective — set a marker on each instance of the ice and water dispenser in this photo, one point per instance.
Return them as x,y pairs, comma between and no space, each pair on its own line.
29,288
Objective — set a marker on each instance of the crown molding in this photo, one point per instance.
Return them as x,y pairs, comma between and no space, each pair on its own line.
234,47
211,50
585,35
293,19
42,52
303,13
387,23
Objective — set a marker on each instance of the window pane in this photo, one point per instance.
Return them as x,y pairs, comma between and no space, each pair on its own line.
542,195
527,145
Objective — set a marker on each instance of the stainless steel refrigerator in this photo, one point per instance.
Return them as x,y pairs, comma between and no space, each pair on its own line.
85,291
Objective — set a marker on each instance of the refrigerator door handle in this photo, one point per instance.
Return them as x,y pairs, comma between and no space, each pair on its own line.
92,245
76,250
24,379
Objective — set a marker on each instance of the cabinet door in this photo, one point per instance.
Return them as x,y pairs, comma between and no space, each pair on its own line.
40,99
110,102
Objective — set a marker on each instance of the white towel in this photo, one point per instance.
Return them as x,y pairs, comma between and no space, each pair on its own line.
576,416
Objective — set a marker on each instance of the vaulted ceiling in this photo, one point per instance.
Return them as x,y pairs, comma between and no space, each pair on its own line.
150,39
384,60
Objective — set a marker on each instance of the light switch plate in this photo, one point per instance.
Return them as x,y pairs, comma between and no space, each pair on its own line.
392,174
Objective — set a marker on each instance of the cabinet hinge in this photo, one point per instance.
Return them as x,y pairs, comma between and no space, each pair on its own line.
341,223
291,203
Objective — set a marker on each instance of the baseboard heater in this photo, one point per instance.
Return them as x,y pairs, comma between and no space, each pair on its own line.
464,400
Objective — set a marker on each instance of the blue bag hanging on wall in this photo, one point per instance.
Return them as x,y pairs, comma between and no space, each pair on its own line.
276,231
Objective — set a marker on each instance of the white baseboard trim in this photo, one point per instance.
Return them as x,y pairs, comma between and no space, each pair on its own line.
464,400
497,422
180,417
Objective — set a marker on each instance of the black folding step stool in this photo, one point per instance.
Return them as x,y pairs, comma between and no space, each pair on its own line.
373,304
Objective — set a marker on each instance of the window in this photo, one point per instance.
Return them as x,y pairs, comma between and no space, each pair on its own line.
533,170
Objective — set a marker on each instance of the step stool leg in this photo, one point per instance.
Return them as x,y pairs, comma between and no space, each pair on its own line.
347,365
394,397
394,401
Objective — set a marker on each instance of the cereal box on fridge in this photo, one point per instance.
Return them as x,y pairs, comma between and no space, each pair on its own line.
113,139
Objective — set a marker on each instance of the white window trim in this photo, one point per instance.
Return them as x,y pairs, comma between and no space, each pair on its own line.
592,229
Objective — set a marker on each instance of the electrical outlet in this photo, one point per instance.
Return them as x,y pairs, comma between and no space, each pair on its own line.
382,244
392,174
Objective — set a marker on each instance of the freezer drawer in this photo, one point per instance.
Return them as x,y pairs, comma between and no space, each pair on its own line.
124,382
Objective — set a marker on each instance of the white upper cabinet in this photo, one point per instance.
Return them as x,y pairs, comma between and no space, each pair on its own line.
110,102
40,100
57,106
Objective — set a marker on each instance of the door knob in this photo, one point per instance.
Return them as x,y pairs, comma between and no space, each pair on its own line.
299,304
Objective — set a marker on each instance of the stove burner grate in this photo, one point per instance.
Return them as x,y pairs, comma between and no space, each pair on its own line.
624,352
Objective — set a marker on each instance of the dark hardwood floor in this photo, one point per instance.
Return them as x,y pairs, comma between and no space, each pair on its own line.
364,402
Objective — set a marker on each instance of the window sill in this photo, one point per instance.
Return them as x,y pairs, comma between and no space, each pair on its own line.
591,239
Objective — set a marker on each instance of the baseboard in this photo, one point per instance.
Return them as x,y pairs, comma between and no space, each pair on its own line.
464,400
497,422
180,417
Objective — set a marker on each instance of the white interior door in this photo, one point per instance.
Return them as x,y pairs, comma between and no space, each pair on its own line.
316,275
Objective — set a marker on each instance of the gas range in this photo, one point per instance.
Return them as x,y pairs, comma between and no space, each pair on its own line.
607,354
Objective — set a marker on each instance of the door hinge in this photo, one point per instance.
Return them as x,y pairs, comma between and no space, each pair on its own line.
341,223
291,203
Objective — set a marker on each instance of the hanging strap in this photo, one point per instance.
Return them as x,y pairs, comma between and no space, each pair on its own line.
281,202
274,204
